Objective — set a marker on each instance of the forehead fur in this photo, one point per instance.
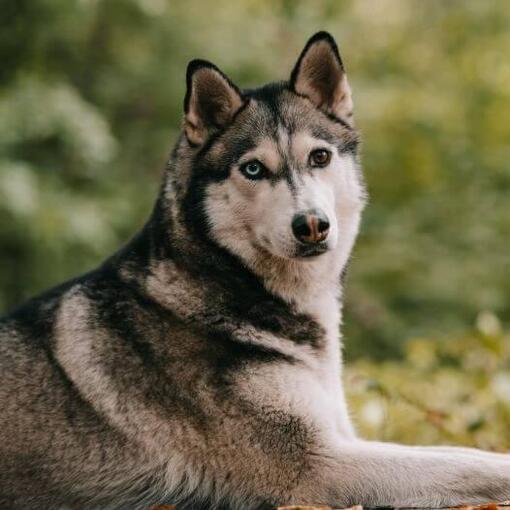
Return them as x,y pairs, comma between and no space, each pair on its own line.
270,115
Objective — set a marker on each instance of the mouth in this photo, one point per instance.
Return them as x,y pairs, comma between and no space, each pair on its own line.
311,250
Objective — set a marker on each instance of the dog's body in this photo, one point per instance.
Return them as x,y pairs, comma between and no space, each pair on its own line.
201,365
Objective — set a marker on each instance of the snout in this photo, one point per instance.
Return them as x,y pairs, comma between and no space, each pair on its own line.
310,227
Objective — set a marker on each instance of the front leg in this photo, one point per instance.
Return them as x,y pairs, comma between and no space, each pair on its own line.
380,474
450,450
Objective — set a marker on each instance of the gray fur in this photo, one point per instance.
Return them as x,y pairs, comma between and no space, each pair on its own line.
201,364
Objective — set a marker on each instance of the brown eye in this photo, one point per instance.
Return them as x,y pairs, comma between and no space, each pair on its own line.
319,158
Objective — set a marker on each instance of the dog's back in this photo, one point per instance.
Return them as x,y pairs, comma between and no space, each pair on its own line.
54,446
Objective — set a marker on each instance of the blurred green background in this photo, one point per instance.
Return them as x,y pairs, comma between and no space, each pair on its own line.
90,103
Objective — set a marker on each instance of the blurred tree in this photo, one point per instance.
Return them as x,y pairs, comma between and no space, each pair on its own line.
90,103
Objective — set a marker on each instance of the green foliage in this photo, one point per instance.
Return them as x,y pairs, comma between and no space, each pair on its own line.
90,102
442,392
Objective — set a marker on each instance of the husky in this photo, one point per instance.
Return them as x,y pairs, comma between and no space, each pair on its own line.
201,364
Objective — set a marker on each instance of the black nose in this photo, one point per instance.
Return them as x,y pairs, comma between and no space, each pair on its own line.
310,226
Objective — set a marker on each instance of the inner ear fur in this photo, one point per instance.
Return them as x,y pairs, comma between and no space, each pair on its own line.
319,74
211,101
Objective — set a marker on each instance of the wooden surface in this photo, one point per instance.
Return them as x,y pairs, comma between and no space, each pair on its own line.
488,506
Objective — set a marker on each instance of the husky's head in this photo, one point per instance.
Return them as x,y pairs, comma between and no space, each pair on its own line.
271,174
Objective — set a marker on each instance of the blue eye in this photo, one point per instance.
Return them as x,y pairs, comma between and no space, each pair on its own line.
253,169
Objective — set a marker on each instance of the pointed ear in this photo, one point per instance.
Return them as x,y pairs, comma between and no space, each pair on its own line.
319,75
211,101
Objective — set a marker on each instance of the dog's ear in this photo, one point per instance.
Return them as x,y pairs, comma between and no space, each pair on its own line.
319,75
211,101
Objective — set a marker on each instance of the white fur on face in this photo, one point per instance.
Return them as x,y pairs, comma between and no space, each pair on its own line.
249,216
